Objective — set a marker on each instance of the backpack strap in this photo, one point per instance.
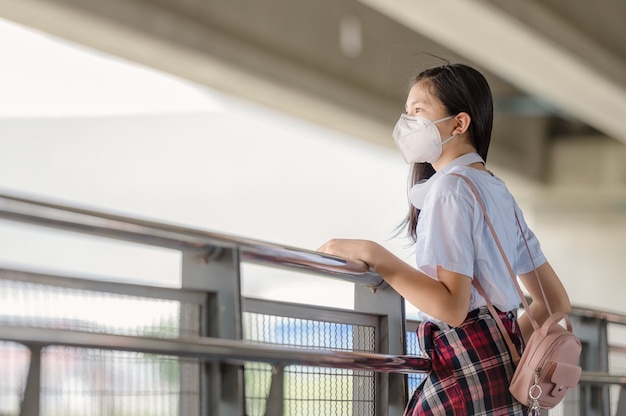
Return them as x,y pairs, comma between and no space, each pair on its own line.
476,284
533,321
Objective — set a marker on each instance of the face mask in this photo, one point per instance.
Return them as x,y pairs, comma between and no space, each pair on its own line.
418,138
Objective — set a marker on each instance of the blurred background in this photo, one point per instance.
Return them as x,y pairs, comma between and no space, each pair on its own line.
271,120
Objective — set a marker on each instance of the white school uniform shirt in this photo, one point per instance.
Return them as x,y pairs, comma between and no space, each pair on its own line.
452,233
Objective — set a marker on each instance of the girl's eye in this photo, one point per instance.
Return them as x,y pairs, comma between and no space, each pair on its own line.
413,111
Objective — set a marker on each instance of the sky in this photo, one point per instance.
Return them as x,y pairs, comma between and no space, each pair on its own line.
86,129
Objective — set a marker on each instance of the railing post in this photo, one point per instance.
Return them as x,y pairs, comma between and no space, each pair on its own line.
32,392
594,399
621,402
391,389
220,276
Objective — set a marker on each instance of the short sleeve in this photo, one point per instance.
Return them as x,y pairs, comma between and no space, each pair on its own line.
445,234
524,262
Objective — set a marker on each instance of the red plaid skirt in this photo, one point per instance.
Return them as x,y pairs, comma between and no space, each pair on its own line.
471,368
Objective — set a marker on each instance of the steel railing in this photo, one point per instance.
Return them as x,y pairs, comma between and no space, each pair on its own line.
209,349
207,243
211,245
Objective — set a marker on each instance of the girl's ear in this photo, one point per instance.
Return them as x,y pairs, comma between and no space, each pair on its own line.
463,121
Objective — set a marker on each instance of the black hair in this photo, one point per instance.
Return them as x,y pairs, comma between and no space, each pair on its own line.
461,89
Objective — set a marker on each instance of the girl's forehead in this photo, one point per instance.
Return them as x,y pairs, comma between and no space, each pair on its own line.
420,93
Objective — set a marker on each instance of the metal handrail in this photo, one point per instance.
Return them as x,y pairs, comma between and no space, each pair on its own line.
238,352
596,377
611,317
208,243
217,349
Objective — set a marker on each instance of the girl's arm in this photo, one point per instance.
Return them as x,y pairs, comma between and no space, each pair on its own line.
446,299
555,293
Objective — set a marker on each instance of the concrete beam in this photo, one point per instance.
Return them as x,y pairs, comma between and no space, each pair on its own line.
527,55
306,76
338,63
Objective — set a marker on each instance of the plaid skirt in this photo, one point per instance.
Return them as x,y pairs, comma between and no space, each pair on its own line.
471,368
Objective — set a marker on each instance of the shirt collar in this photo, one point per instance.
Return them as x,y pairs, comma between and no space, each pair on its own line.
418,192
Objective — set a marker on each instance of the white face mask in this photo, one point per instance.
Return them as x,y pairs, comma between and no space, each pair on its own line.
418,138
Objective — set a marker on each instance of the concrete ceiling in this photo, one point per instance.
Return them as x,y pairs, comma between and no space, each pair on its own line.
557,67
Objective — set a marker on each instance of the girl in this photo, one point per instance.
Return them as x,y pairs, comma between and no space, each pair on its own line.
472,366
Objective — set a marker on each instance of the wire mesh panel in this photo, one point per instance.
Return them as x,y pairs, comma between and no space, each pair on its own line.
14,359
257,378
311,390
78,381
87,382
46,306
413,348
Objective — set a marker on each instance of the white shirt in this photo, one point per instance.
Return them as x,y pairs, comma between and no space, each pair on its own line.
452,233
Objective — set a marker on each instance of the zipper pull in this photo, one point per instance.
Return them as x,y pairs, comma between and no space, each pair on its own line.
535,393
534,409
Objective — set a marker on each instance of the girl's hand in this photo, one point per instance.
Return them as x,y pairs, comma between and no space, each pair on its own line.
350,249
446,298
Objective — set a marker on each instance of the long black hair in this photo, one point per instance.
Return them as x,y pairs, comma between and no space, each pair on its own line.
461,89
